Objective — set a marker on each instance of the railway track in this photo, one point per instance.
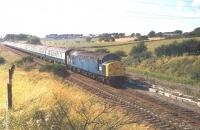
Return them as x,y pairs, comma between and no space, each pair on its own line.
162,115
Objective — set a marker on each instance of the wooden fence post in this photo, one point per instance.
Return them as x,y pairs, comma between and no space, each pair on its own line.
9,86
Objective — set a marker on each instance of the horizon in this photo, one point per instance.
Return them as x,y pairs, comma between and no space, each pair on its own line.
41,18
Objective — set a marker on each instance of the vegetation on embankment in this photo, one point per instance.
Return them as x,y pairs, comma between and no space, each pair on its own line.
175,64
57,69
2,60
183,69
41,102
27,63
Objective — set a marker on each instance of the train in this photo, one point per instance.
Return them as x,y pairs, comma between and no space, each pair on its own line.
105,67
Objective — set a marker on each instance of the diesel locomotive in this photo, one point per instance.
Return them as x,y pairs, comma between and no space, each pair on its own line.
105,67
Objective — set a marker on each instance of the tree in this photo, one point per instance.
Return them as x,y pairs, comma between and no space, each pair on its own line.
179,32
139,53
142,38
159,34
140,47
137,35
120,53
190,47
17,37
152,34
34,40
106,37
88,39
102,50
132,35
196,32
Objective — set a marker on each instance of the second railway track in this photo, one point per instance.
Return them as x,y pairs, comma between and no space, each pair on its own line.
160,114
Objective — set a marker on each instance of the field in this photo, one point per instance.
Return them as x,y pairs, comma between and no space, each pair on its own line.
82,43
44,101
124,45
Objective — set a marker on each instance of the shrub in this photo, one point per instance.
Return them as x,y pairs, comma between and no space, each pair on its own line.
140,47
103,50
2,60
26,63
34,40
57,69
190,47
196,76
88,39
138,53
24,60
120,53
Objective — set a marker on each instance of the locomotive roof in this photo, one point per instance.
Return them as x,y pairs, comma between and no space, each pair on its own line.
95,55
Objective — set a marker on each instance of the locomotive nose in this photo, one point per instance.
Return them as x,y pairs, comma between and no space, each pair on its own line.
115,68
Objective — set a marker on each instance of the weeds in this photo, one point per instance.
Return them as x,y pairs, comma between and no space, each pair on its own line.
57,69
2,60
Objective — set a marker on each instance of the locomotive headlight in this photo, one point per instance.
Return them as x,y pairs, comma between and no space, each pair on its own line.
100,68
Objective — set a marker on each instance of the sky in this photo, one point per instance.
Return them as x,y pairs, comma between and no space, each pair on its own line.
42,17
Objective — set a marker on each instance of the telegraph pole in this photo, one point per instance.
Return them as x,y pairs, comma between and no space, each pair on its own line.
9,86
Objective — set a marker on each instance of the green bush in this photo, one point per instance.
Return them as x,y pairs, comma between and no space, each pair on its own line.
138,53
26,63
2,60
34,40
24,60
139,48
196,76
57,69
190,47
103,50
120,53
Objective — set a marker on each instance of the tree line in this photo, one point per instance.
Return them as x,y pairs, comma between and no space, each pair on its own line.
175,34
190,47
110,37
22,37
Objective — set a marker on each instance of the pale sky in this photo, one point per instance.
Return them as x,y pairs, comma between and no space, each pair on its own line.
42,17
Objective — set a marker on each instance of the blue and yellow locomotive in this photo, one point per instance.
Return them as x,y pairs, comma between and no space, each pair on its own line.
102,66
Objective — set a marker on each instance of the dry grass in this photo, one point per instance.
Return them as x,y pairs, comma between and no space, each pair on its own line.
43,91
10,56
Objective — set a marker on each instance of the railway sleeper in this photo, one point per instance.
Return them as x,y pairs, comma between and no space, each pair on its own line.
137,113
164,126
160,124
154,121
169,128
147,117
186,128
184,124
